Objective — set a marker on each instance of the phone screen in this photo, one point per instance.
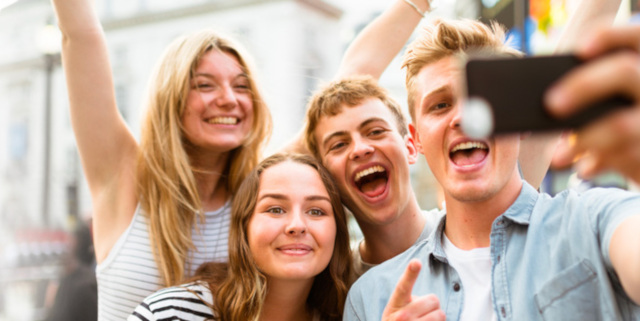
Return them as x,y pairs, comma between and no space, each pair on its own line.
513,91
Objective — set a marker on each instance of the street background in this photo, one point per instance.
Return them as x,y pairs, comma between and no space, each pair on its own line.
296,44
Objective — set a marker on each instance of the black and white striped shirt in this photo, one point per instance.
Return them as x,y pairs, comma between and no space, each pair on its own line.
185,302
129,273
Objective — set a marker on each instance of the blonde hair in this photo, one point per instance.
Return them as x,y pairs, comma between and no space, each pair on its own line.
166,183
240,288
444,38
350,91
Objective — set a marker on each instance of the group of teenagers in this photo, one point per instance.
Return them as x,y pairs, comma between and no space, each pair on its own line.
191,223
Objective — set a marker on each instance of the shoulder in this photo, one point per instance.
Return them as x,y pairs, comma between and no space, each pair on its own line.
370,293
188,301
593,201
386,274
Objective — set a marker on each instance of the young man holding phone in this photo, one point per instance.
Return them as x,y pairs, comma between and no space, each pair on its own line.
502,251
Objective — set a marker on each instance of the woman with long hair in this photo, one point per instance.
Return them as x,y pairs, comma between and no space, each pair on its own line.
289,255
161,207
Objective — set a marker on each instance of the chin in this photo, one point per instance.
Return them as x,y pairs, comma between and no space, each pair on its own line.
471,194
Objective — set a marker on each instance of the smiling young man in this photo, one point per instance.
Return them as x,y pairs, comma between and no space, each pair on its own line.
361,137
502,251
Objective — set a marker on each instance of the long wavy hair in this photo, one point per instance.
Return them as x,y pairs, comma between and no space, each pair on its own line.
240,288
166,182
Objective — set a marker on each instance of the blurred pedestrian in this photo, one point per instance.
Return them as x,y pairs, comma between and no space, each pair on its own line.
77,294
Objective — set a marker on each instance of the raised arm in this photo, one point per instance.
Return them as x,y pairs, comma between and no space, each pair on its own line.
379,42
374,48
107,148
537,150
624,251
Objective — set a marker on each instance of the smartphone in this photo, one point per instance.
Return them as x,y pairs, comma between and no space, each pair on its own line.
505,94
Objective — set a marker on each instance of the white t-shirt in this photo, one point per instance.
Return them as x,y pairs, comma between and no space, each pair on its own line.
474,269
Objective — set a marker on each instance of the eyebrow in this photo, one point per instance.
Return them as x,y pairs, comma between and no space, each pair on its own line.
362,125
208,75
284,197
436,91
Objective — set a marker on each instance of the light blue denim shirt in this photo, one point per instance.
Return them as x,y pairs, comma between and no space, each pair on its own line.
550,261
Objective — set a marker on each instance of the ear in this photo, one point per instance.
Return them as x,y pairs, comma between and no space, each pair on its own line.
415,137
412,146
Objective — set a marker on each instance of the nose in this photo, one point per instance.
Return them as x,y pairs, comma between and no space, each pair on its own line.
226,98
457,116
360,149
296,224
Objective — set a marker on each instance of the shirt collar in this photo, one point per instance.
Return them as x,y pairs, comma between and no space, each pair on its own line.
519,212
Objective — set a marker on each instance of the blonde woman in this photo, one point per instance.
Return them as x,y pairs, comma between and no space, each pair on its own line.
161,206
289,253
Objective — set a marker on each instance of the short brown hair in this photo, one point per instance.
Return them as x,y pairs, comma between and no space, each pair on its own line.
444,38
350,91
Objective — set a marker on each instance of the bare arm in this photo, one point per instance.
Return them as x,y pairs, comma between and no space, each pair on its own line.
624,251
373,49
537,150
106,146
379,42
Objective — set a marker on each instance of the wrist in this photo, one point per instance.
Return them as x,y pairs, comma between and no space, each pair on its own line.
421,7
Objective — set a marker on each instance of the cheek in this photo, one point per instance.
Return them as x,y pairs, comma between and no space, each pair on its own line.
246,102
334,166
327,234
256,236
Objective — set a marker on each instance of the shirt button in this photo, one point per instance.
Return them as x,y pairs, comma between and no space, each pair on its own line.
503,312
498,259
456,286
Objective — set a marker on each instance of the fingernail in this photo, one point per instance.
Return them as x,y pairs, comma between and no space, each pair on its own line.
586,167
554,99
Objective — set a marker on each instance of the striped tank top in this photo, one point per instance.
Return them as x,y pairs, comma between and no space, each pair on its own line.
129,273
184,302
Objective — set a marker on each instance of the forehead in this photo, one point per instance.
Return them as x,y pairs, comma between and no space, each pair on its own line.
352,117
291,178
445,73
216,61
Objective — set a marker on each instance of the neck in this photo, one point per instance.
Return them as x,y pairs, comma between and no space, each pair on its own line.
382,242
286,300
208,170
468,223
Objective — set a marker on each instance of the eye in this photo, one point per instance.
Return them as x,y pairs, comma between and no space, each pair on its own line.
202,86
242,87
316,212
275,210
337,146
377,131
441,105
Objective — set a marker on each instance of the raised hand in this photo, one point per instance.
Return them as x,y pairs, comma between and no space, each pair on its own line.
404,306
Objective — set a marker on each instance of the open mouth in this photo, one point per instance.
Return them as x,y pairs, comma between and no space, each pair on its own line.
223,120
469,153
372,181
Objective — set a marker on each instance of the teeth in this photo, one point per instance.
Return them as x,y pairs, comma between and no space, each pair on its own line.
468,145
223,120
369,171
